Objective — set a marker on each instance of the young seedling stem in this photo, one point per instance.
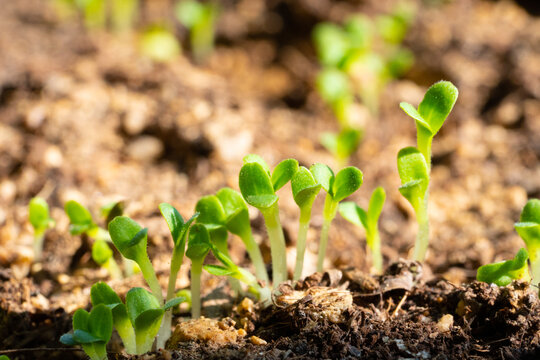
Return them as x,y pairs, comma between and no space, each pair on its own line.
528,229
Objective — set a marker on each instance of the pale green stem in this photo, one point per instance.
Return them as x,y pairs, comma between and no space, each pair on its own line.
256,257
329,213
112,267
534,257
234,283
100,234
374,245
128,266
39,236
144,342
305,215
101,351
165,330
150,277
127,334
422,237
423,142
90,351
196,270
123,14
277,244
263,293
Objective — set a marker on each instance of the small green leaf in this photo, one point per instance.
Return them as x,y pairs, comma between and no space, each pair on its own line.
79,217
412,112
101,252
353,213
128,237
283,173
376,203
256,186
236,210
218,270
84,337
502,273
198,243
211,212
330,142
101,293
38,214
437,104
347,181
331,43
159,44
347,142
304,187
323,175
529,226
66,339
333,85
80,320
531,212
360,30
189,12
100,322
144,310
173,302
111,210
254,158
412,166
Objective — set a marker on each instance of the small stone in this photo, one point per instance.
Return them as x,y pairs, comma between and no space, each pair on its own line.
241,332
145,148
445,323
255,340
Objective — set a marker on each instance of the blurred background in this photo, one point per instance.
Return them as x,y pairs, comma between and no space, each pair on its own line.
158,100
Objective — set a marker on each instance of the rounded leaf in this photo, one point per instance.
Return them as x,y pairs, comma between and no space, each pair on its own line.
128,237
236,211
304,187
353,214
138,302
323,175
333,85
38,213
376,203
412,165
502,273
100,322
174,220
437,104
347,181
254,158
211,212
331,43
101,252
79,217
198,243
531,212
256,186
80,320
283,173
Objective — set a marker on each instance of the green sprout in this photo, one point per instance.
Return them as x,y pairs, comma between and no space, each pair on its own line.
123,14
212,215
159,44
101,293
337,188
131,239
305,189
230,270
369,220
431,114
237,222
4,357
414,175
38,215
528,229
504,272
179,232
198,247
342,145
414,164
103,256
258,187
92,331
81,222
139,320
200,19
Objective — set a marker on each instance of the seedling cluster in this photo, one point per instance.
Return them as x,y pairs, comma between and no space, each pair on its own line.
359,59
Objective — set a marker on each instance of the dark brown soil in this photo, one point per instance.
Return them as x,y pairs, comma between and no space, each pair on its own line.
83,116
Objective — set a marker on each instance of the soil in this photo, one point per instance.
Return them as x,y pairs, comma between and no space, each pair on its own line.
83,116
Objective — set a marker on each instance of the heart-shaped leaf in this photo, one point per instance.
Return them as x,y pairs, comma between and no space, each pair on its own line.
304,187
283,173
323,175
256,186
198,243
347,181
236,211
128,237
437,104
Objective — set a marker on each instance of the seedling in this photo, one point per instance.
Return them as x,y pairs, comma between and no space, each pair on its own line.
258,187
528,229
198,247
237,222
103,256
159,44
131,240
81,222
414,164
101,293
92,331
38,215
504,272
431,114
179,232
200,19
369,220
342,145
230,270
139,320
337,188
305,189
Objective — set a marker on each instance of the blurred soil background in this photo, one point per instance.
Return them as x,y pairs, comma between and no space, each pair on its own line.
84,116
